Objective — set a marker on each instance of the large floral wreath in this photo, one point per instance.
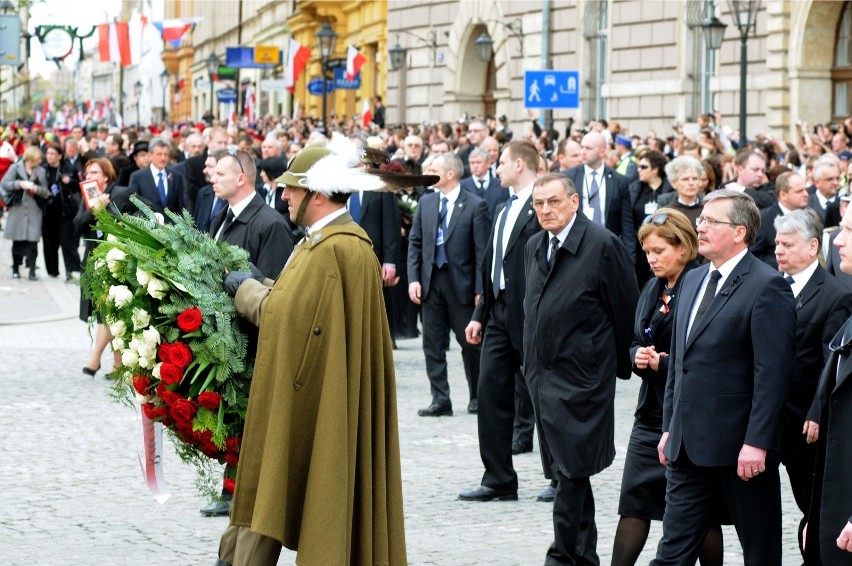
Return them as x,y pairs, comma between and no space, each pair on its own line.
158,287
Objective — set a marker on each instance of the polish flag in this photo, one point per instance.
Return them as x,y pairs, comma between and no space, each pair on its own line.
249,105
354,62
121,42
366,114
232,115
47,109
297,60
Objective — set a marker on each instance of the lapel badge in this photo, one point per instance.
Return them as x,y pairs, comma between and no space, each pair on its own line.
316,238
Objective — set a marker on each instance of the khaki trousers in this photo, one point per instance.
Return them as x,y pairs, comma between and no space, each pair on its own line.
239,546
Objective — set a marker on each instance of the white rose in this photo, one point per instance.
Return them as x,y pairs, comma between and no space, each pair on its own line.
114,258
140,319
142,276
111,238
121,295
160,218
118,328
151,337
117,344
156,371
99,263
157,288
143,349
147,361
129,358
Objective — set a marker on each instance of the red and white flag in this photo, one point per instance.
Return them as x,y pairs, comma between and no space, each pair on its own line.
232,114
297,59
354,62
47,109
249,105
121,42
366,114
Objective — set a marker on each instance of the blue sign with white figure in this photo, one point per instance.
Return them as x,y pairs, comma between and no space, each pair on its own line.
551,89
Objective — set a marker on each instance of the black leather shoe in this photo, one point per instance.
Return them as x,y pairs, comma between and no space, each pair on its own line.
217,509
548,494
472,407
435,410
521,447
483,493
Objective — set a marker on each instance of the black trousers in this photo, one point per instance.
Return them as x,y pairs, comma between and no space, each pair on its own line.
497,399
575,535
443,312
60,233
23,250
799,459
755,506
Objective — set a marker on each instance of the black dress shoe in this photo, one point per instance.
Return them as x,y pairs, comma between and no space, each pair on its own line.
435,410
548,494
472,407
90,371
217,509
483,493
520,447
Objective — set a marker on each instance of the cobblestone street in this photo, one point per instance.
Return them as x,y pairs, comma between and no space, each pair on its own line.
75,494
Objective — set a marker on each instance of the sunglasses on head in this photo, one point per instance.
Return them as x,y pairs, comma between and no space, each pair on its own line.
658,219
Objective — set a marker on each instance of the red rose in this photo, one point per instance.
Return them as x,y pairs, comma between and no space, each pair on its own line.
141,383
170,374
168,397
184,410
157,413
164,352
209,400
233,444
231,458
189,320
180,355
147,409
229,485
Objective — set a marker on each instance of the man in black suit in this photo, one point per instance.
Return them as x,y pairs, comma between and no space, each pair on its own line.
484,185
158,183
829,529
822,306
751,174
792,191
207,204
733,349
497,324
476,133
248,222
445,251
378,214
827,180
604,194
579,305
193,168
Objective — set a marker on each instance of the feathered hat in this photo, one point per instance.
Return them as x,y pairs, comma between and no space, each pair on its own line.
340,166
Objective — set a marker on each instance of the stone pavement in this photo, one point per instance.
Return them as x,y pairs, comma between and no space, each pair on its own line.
74,493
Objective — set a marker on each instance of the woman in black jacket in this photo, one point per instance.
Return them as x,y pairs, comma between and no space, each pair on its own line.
644,193
57,228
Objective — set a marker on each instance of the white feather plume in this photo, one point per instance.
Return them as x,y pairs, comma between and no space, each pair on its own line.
345,148
334,174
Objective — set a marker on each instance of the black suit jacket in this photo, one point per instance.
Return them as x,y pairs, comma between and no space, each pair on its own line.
619,212
728,383
832,263
381,220
260,231
193,174
513,271
204,207
464,243
494,194
813,202
763,247
142,183
578,327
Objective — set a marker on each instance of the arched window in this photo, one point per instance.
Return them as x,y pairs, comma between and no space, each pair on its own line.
841,72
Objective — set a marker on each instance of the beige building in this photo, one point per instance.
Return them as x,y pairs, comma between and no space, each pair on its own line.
644,63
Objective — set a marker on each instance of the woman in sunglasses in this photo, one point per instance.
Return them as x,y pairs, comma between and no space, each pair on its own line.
669,242
644,193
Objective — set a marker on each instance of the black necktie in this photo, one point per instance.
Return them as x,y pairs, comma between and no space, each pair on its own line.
789,280
498,259
554,246
229,219
709,294
482,185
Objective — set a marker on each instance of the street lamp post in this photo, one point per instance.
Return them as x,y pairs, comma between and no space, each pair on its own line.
212,71
745,16
137,91
325,37
164,82
714,34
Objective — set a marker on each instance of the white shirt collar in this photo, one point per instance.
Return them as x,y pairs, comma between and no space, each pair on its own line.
823,202
563,234
801,278
451,196
524,193
784,209
726,268
155,172
238,208
326,220
600,170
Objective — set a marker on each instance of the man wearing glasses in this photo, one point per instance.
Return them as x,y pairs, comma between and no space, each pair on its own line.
579,306
733,349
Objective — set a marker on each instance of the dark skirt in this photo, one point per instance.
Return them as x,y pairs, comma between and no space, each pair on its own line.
643,485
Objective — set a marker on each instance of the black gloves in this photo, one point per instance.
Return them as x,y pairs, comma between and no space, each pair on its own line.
234,279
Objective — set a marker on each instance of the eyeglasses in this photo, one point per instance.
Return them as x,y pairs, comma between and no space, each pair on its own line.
711,222
234,152
658,219
551,203
643,166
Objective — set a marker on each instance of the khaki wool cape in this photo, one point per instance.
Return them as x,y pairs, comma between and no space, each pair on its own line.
319,465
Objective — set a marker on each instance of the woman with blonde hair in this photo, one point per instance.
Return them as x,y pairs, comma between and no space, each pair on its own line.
25,192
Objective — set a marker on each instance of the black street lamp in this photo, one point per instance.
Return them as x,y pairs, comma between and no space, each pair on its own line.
164,82
714,34
745,16
484,45
325,38
137,91
213,71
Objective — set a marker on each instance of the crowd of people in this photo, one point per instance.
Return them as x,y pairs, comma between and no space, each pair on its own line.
713,268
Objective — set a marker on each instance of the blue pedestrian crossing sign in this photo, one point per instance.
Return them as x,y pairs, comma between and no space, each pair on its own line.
551,89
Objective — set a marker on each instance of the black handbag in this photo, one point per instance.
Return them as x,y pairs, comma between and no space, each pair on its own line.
13,198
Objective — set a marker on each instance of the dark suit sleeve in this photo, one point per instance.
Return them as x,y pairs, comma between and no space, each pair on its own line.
773,331
274,248
839,313
415,246
481,228
135,188
620,293
628,231
391,229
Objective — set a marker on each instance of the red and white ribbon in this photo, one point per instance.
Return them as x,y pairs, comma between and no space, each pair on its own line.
152,461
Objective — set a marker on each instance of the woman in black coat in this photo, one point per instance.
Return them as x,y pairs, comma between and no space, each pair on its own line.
644,193
670,244
57,228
